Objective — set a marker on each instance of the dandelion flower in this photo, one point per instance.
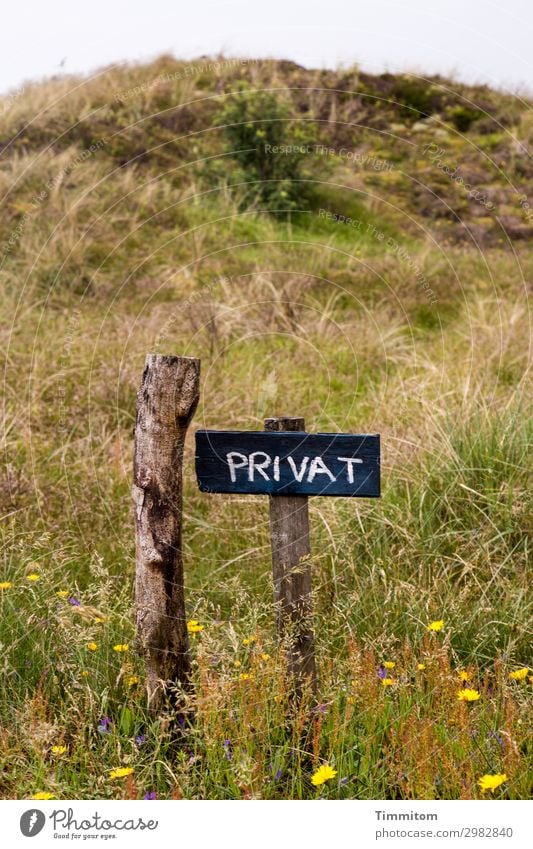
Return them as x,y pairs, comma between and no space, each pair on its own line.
437,625
33,576
491,782
467,695
421,666
245,676
464,675
84,674
519,674
387,682
194,627
389,664
121,772
58,750
62,593
132,680
42,796
92,646
121,647
5,585
323,774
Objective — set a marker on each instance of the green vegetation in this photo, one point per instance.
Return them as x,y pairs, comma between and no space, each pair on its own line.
130,224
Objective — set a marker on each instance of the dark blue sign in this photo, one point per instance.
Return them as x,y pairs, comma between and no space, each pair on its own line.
288,463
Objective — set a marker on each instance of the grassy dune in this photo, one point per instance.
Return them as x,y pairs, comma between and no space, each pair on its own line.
380,294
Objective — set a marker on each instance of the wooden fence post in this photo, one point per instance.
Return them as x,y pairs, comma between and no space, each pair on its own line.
291,572
166,402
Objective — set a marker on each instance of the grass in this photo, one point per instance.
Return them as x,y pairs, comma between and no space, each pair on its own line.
151,243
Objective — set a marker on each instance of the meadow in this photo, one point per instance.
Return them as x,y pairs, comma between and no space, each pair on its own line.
372,275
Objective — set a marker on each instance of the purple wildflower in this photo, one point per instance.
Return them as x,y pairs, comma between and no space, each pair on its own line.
496,736
320,709
150,795
103,725
227,749
74,601
344,781
278,774
140,739
382,672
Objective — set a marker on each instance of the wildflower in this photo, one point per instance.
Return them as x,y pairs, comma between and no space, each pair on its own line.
382,672
140,739
92,646
99,619
33,576
103,725
121,772
265,656
519,674
387,682
84,674
248,641
467,695
132,680
324,773
75,602
491,782
120,647
42,796
237,664
245,676
464,675
150,795
320,709
62,593
58,750
350,700
421,666
194,627
389,664
227,749
5,585
278,774
438,625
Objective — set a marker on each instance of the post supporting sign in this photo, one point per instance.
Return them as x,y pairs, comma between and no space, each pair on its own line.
288,464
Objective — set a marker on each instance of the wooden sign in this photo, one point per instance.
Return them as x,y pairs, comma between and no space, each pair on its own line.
288,463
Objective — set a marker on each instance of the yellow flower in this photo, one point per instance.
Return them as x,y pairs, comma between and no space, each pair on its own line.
92,646
99,619
121,647
491,782
121,772
248,641
519,674
245,676
58,750
84,674
464,675
467,695
421,666
438,625
132,680
5,585
265,656
33,576
350,700
387,682
323,774
237,664
194,627
389,664
62,593
42,796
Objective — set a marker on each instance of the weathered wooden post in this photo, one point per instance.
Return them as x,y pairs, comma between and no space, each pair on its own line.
291,572
166,402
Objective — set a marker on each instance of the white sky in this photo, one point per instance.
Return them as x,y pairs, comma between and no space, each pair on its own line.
476,40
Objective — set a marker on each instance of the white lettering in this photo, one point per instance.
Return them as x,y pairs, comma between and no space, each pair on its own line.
233,465
299,475
318,467
350,461
252,465
276,468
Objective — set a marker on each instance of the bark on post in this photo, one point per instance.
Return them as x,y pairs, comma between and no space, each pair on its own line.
291,572
166,402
